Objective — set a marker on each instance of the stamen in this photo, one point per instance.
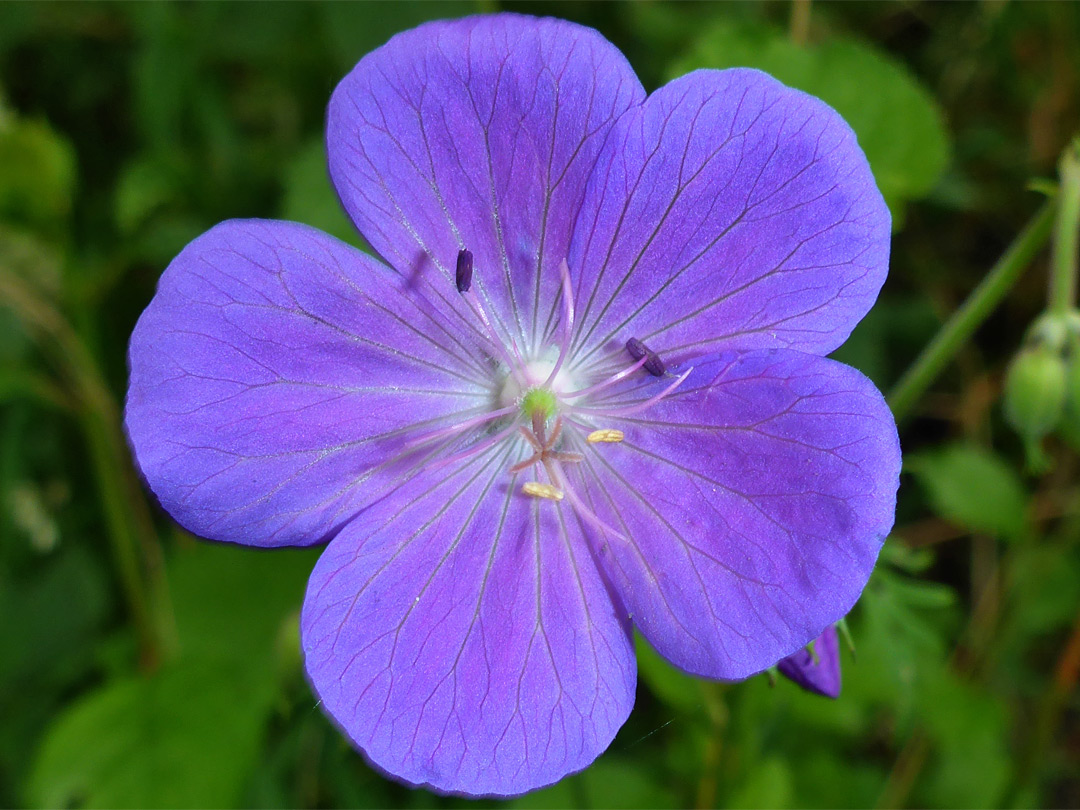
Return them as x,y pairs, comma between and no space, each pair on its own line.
463,280
580,507
470,452
605,435
641,405
538,490
653,364
459,426
568,321
636,348
600,386
464,270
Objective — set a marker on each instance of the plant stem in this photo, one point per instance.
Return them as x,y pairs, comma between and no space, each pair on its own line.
800,21
1063,264
136,552
971,314
717,712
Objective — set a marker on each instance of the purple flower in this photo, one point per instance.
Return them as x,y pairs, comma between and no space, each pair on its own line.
817,671
587,390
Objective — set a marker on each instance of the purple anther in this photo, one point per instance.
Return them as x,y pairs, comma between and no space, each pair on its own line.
654,365
464,270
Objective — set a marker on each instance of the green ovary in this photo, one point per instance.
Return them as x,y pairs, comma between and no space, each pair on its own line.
538,401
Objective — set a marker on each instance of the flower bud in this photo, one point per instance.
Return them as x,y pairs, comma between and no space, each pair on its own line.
816,669
1035,390
1072,371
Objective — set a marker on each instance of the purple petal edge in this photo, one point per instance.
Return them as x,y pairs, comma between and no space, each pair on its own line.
461,636
276,376
729,212
746,510
478,133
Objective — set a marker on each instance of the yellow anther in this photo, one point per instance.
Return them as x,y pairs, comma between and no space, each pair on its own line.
538,490
604,435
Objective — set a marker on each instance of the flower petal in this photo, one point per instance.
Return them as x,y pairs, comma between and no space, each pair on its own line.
461,635
273,373
478,133
820,675
749,505
728,212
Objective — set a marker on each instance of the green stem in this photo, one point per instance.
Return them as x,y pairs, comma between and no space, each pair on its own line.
1063,265
971,314
800,22
130,530
717,713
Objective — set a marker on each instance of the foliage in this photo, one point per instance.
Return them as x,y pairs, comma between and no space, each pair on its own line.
139,667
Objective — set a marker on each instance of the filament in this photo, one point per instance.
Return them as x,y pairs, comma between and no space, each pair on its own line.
500,347
592,389
641,405
568,321
472,450
555,472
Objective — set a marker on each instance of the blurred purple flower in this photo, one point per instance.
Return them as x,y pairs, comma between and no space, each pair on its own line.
586,389
819,671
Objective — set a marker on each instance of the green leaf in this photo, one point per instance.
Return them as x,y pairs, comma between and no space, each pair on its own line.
231,602
901,630
973,488
59,612
898,123
353,29
612,781
1044,592
186,737
48,644
311,199
971,763
144,186
767,784
37,172
669,683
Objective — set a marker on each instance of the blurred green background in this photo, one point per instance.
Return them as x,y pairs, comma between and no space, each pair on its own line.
140,667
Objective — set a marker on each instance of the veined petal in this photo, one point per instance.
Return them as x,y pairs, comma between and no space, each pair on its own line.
747,508
275,377
728,212
478,133
460,634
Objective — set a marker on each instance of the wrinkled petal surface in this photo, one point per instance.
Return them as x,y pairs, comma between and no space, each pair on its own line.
729,212
822,677
276,375
478,133
463,640
749,506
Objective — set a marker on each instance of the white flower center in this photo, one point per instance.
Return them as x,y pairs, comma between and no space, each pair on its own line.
536,374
